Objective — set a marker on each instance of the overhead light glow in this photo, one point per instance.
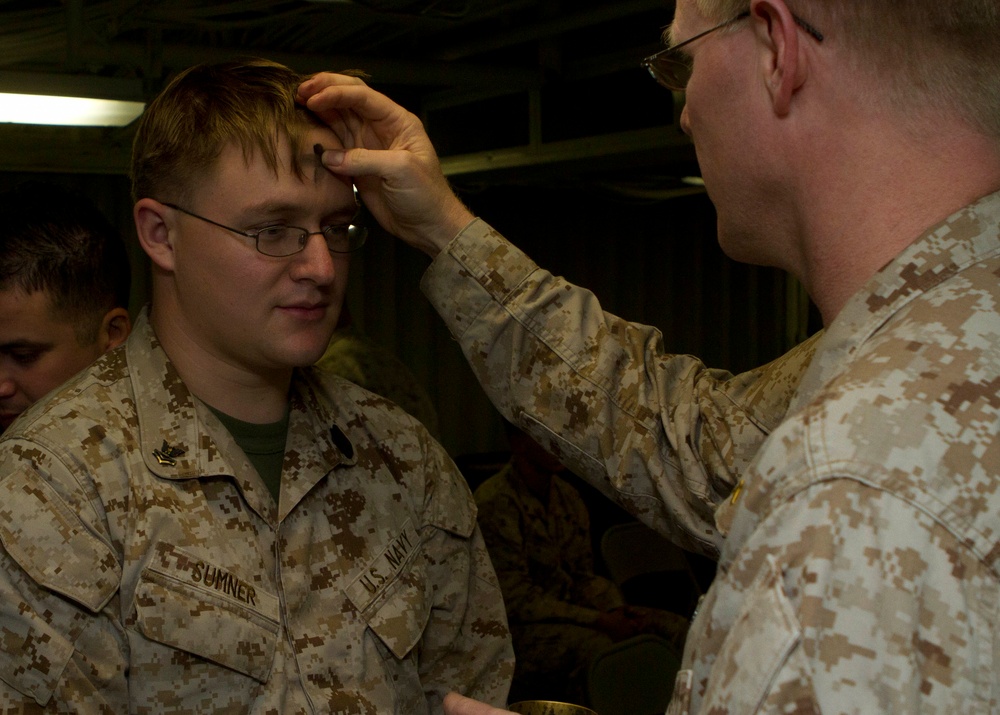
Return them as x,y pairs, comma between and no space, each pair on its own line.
67,111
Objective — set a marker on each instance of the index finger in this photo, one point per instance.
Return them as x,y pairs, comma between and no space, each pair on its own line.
321,80
336,92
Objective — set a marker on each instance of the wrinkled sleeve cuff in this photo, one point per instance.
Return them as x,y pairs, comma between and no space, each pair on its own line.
479,267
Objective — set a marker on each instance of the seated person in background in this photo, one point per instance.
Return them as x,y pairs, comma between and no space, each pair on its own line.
353,355
203,523
64,287
561,613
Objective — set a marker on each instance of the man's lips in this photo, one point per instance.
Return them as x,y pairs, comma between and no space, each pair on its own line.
306,309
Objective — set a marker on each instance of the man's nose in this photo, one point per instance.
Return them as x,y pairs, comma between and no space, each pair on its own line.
685,122
8,388
315,261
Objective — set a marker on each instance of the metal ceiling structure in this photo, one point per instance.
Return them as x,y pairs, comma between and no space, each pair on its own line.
510,90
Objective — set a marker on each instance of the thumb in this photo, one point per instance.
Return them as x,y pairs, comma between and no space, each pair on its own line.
337,160
391,166
455,704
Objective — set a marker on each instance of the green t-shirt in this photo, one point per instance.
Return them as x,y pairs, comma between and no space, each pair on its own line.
263,444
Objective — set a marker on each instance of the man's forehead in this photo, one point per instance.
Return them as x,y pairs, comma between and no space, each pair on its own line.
15,295
278,186
23,313
284,155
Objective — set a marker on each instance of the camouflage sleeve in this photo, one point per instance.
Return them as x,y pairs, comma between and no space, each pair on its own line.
826,608
61,648
527,601
466,644
664,435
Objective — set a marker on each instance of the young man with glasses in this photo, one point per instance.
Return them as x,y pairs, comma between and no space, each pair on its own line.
200,522
857,145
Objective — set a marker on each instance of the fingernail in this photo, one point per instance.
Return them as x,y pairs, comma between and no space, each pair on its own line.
333,157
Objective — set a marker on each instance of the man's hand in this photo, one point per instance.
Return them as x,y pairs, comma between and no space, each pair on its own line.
455,704
618,623
390,158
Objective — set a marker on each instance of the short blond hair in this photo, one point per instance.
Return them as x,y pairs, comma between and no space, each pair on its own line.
249,103
942,54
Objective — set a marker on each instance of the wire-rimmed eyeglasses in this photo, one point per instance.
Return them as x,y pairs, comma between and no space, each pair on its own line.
672,68
280,240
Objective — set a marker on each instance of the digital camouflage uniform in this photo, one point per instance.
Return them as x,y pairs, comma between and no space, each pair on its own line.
858,571
542,553
544,561
147,569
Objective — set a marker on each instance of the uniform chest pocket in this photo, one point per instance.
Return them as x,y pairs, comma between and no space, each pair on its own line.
194,606
764,641
391,593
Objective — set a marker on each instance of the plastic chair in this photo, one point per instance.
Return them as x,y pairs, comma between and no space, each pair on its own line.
633,677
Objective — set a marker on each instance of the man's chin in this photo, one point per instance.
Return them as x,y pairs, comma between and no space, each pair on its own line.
311,358
304,357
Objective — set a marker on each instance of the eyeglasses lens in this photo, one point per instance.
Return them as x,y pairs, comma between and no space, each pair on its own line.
345,239
672,69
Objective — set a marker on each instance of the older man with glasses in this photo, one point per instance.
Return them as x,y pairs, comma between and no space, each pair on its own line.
855,144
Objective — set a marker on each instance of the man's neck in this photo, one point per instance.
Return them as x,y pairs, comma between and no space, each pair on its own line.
256,397
871,203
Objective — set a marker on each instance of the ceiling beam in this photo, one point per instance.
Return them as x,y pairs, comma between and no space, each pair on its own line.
383,71
573,150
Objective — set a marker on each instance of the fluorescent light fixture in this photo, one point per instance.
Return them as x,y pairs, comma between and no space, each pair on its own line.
68,100
67,111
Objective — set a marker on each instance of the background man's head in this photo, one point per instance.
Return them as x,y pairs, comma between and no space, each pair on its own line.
64,288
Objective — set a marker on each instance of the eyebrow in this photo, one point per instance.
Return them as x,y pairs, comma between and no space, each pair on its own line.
266,210
23,344
668,37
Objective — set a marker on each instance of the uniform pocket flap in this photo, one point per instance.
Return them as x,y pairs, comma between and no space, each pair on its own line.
237,633
390,593
765,610
33,655
400,619
52,544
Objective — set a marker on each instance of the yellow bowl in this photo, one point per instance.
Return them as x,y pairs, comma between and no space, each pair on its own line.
548,707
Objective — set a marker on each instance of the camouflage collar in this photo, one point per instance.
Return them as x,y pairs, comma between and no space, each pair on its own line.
964,238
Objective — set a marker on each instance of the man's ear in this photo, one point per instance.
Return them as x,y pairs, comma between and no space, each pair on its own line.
783,64
115,327
154,227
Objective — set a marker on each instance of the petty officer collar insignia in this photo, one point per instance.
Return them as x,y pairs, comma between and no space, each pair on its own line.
167,454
